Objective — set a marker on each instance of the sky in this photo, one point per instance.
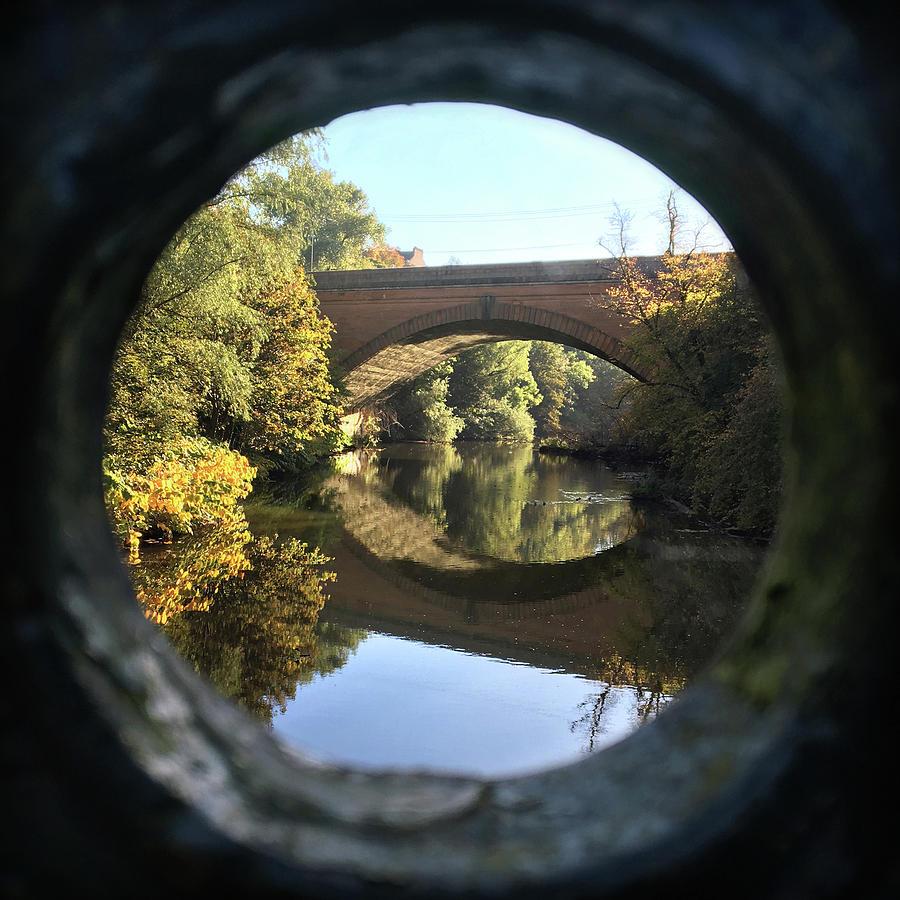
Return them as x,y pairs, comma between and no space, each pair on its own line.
473,183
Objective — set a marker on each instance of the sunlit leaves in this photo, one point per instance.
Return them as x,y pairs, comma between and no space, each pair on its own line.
700,333
328,223
193,488
226,355
492,389
261,636
293,399
383,256
194,483
559,374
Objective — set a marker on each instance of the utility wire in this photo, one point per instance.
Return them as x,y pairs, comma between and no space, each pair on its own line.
512,214
504,249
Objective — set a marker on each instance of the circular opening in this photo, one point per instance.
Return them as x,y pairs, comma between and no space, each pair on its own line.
193,777
470,615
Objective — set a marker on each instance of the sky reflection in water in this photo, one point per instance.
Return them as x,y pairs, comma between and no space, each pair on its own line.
495,611
399,703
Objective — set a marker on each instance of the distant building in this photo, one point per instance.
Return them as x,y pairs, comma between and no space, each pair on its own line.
412,257
384,256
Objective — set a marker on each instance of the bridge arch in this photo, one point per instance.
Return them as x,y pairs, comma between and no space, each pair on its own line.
394,324
414,346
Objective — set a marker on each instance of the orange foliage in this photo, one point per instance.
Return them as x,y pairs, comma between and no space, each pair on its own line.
384,256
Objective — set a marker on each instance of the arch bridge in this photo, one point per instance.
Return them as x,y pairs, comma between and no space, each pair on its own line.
394,324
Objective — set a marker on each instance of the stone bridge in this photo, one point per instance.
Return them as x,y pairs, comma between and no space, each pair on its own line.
394,324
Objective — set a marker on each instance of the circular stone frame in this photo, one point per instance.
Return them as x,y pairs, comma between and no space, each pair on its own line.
125,775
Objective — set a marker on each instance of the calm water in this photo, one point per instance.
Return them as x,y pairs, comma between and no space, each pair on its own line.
492,610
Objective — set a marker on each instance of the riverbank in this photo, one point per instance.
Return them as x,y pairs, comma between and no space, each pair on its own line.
653,485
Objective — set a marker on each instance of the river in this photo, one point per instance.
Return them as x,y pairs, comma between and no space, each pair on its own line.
483,609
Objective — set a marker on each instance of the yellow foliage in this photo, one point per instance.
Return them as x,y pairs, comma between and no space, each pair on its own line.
193,488
197,483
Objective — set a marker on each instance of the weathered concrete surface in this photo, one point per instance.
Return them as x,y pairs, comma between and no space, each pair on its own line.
393,324
125,776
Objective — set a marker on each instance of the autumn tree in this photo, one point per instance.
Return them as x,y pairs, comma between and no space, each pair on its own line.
262,638
294,402
700,336
228,343
383,256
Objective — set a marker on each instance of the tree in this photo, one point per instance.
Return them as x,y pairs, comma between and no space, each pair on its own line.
422,408
701,336
383,256
559,374
740,479
591,419
492,389
193,489
328,224
293,401
228,343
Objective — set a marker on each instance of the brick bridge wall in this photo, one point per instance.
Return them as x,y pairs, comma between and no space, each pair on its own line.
375,309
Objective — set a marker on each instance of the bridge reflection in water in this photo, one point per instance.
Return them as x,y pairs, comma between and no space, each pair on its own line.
500,552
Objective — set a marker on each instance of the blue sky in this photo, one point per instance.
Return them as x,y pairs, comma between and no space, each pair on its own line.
486,184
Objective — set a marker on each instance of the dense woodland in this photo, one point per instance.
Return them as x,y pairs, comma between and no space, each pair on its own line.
222,376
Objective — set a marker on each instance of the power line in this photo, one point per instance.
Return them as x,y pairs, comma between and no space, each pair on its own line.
511,214
504,249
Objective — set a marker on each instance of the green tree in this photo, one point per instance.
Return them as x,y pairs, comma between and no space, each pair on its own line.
422,408
592,417
740,477
327,223
560,374
228,342
492,389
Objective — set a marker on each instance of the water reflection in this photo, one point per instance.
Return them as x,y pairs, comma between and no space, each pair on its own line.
260,639
501,502
479,592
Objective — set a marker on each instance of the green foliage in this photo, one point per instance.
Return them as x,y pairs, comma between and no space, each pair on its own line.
228,344
710,412
590,419
492,389
740,479
293,401
561,376
510,391
484,394
423,408
328,224
228,340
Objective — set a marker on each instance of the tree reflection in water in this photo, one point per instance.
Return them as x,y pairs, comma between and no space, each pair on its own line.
541,564
506,501
256,636
648,693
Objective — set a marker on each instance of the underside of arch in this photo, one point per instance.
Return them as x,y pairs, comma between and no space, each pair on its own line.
395,357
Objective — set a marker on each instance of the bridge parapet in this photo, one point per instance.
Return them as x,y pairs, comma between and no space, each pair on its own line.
552,272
